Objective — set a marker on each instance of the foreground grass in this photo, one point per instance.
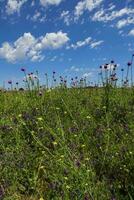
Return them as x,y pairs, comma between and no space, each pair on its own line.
67,144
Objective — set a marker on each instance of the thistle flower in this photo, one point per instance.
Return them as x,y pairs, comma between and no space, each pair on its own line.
23,69
105,66
10,82
129,63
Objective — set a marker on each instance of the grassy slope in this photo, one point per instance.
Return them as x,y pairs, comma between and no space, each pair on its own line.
64,145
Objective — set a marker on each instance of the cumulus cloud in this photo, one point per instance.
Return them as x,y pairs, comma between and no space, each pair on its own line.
14,6
131,33
86,5
50,2
29,47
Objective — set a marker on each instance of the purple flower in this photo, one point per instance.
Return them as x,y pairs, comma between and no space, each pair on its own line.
10,82
129,63
23,69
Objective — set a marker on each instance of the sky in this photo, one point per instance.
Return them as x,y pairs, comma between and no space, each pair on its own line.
70,37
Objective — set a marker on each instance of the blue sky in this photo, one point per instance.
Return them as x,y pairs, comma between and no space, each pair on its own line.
71,37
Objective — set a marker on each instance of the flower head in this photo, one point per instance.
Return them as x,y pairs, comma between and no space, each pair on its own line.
23,69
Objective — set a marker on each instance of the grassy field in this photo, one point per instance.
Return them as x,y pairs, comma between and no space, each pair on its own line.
67,144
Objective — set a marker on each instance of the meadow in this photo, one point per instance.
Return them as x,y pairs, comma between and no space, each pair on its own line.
73,143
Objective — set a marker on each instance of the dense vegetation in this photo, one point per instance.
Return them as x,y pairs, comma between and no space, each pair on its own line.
67,144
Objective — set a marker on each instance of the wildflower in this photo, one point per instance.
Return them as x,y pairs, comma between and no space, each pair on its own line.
32,132
68,187
10,82
41,167
88,117
129,63
55,143
83,145
23,69
66,178
20,115
104,107
49,90
40,119
105,66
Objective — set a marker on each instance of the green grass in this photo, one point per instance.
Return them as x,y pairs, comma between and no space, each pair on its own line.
68,144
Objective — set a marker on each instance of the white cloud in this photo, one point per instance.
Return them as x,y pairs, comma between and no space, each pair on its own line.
54,40
124,22
96,44
131,33
29,47
103,15
37,17
50,2
65,15
111,7
14,6
88,41
86,5
75,69
88,74
79,44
